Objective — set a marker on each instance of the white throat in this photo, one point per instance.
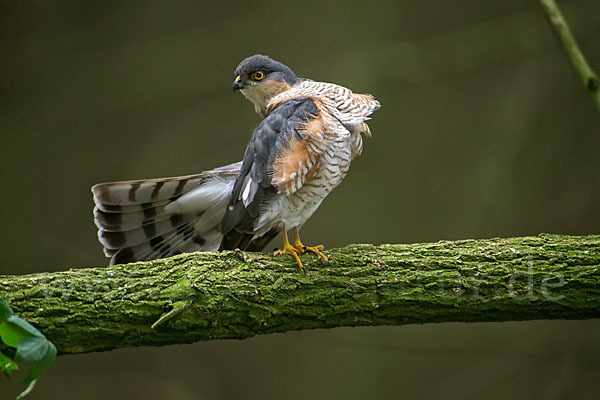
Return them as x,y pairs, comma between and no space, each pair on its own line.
256,98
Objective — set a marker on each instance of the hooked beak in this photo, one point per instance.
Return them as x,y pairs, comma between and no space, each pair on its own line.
237,84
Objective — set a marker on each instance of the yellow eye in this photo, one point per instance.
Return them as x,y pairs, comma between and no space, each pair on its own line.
258,75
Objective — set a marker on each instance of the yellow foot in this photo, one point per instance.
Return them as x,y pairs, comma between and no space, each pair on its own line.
288,249
316,250
302,249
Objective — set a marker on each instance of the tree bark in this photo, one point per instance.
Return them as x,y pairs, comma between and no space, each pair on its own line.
236,295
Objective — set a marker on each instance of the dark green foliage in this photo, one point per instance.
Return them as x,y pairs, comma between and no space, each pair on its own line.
30,344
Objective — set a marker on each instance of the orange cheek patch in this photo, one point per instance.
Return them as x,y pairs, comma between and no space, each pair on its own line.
270,88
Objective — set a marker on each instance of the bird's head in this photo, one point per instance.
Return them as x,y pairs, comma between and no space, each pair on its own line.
259,78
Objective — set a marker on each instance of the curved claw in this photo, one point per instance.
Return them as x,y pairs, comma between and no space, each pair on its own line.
302,249
317,251
292,251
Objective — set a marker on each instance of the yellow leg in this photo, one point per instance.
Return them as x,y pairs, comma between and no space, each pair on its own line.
302,249
289,249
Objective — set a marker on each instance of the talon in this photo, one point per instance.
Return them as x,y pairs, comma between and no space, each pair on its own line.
316,251
299,249
288,249
302,249
291,251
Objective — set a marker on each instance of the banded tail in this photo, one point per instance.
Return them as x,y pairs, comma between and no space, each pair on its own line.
148,219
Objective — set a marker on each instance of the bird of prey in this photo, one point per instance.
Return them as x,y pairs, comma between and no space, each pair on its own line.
299,153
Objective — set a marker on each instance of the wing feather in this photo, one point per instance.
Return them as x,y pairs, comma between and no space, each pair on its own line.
254,187
183,214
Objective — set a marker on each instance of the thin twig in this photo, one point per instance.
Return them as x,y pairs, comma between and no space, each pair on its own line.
586,75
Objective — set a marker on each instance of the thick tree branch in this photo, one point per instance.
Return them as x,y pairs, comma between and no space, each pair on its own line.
584,72
204,296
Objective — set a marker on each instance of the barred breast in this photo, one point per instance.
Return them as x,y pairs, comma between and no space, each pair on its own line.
294,210
334,165
333,138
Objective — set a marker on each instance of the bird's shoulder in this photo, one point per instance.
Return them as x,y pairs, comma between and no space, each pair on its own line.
344,105
288,115
284,148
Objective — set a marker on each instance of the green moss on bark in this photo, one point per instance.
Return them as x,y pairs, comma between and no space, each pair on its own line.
239,295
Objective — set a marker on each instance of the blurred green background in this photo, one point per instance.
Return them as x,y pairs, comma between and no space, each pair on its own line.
484,132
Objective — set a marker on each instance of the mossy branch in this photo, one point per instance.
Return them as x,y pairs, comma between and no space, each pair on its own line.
586,75
232,295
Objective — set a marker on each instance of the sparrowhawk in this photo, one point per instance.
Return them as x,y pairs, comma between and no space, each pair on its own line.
297,155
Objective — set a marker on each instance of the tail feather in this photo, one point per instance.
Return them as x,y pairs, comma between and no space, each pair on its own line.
112,208
128,238
125,221
145,191
212,216
167,245
184,241
149,219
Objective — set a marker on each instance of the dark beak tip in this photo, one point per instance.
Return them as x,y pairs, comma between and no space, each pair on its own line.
237,85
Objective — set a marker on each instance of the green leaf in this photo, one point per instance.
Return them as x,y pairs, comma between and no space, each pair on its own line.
10,334
40,351
5,310
32,349
14,329
31,346
7,365
27,390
